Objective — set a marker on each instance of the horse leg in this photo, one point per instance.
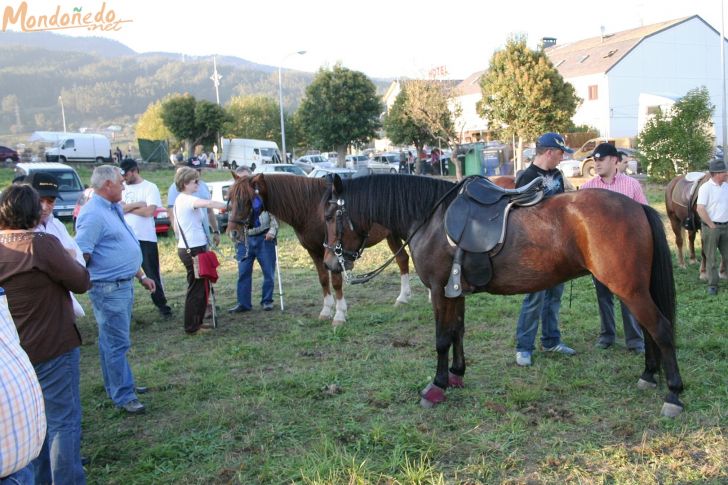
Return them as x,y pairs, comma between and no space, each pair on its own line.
678,231
402,258
457,370
660,347
337,281
323,275
652,364
703,272
691,246
449,317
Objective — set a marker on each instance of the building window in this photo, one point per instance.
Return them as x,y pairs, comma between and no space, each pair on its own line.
593,92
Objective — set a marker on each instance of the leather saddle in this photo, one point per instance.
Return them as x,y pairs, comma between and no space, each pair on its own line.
686,190
476,223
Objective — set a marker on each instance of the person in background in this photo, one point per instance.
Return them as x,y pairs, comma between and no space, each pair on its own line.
140,200
46,185
37,269
411,162
543,305
114,259
607,160
712,207
189,211
203,192
260,244
118,154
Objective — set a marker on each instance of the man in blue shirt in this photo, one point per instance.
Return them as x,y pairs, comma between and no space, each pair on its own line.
543,305
113,259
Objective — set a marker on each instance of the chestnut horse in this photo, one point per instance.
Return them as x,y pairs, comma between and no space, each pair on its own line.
297,201
564,237
677,212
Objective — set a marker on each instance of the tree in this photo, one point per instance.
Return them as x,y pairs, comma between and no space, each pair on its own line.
524,95
151,125
257,117
340,108
193,121
420,115
678,141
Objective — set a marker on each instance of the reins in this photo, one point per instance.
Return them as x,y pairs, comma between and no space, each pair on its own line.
364,278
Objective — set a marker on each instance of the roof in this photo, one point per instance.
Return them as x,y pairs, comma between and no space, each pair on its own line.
41,166
470,85
600,54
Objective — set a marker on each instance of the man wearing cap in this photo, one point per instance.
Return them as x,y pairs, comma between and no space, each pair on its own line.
543,305
712,207
203,192
140,200
114,259
46,185
606,158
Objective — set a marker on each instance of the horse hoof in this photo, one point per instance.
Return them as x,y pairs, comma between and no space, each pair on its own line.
432,395
400,303
454,380
644,385
324,317
670,410
703,276
337,323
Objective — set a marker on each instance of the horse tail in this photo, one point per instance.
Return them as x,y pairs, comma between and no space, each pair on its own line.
662,283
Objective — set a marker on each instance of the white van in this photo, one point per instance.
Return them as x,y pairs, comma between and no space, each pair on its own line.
80,147
239,152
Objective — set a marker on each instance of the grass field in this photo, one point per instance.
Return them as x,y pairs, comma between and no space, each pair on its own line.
281,397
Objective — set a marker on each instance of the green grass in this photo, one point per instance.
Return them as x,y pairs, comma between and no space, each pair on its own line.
284,398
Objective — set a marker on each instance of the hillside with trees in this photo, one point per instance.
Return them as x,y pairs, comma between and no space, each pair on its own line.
103,82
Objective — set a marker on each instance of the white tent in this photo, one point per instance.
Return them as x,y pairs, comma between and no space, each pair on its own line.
48,136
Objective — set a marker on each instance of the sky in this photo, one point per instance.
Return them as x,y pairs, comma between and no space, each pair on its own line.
382,38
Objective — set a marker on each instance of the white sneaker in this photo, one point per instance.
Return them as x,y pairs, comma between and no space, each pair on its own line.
523,358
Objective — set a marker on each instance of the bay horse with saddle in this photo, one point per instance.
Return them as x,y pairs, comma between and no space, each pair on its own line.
475,237
681,196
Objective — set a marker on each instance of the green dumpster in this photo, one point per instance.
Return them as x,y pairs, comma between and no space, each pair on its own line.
474,159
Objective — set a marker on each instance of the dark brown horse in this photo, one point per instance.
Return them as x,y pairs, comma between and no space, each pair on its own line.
677,200
563,237
297,201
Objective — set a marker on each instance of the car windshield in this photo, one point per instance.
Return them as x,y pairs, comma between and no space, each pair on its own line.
67,181
267,152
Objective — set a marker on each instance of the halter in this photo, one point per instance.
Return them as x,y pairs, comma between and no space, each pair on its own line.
341,217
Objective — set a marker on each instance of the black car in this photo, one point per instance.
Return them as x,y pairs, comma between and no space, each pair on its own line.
8,155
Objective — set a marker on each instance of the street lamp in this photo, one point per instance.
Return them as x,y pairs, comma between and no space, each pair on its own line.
63,114
280,103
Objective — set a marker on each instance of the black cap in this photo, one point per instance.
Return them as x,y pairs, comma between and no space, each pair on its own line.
128,164
605,150
44,183
717,166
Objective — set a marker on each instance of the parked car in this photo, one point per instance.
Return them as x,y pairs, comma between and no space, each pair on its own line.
376,164
352,161
570,168
219,192
391,159
309,162
282,168
345,173
69,185
161,219
8,155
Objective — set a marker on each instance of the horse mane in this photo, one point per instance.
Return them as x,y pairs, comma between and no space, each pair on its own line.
395,201
294,199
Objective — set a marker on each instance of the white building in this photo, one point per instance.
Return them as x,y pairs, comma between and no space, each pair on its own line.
655,63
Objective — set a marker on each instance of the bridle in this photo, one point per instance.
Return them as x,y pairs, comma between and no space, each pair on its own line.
342,218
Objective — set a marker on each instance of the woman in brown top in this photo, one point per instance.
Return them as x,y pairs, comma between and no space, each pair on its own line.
37,274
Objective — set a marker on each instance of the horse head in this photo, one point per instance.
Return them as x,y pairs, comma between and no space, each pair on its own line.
344,243
245,200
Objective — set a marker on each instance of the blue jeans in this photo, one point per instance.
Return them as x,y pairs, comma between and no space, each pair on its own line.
112,303
265,252
544,306
24,476
59,461
632,331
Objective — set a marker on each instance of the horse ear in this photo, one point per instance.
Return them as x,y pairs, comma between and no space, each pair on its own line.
338,184
235,176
